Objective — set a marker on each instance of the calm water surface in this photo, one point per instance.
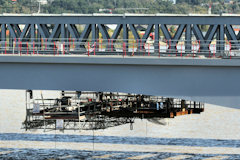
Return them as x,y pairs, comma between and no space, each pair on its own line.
215,134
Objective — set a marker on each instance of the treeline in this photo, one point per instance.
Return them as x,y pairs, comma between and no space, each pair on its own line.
119,6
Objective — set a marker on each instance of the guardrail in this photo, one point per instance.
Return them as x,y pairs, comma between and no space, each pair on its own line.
130,47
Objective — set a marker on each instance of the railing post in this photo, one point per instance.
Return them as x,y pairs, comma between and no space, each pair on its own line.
27,49
19,49
193,47
209,50
214,50
88,48
54,47
176,49
181,49
133,49
199,47
94,48
140,45
57,46
42,43
230,49
97,47
15,39
33,47
170,45
137,45
112,45
148,49
69,43
20,46
6,47
108,45
159,48
45,44
63,48
166,45
73,45
144,49
123,48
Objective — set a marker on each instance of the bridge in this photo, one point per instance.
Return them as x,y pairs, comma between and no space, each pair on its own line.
78,52
213,81
200,34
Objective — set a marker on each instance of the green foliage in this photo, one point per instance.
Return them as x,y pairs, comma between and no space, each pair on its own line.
120,6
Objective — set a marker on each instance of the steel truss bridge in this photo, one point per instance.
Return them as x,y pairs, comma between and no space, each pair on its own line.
80,33
201,79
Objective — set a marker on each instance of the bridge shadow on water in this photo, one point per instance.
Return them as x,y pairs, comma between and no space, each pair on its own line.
196,142
28,153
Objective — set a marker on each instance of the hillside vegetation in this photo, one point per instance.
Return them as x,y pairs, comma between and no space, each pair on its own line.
119,6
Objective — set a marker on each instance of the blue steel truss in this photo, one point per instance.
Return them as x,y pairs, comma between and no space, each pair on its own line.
63,27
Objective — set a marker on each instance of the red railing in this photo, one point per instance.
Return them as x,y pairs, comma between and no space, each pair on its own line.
130,47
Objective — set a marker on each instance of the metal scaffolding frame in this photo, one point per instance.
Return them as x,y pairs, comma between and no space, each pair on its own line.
100,110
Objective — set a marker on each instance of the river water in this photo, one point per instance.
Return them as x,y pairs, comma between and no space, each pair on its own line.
214,134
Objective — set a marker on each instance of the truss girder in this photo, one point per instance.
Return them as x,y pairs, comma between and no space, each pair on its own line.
143,40
172,41
63,28
16,33
73,31
204,41
232,37
110,40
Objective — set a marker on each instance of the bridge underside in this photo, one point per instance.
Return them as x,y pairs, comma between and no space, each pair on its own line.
212,81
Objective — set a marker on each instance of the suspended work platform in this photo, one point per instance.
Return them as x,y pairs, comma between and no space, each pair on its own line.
100,110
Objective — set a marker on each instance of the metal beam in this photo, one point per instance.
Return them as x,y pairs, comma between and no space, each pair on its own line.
73,31
204,40
121,19
84,35
125,37
33,33
221,41
55,33
188,39
232,37
156,40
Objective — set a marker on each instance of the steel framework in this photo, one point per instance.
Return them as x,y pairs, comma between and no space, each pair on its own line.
90,28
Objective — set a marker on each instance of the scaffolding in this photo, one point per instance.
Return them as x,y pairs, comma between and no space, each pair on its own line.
77,110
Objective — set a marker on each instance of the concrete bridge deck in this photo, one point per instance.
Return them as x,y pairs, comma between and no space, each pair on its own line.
213,81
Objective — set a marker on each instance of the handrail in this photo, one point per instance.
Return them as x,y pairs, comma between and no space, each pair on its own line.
130,47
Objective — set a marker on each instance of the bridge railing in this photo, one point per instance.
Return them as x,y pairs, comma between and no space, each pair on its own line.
122,47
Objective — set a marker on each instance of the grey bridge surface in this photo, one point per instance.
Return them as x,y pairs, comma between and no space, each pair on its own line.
213,81
207,80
